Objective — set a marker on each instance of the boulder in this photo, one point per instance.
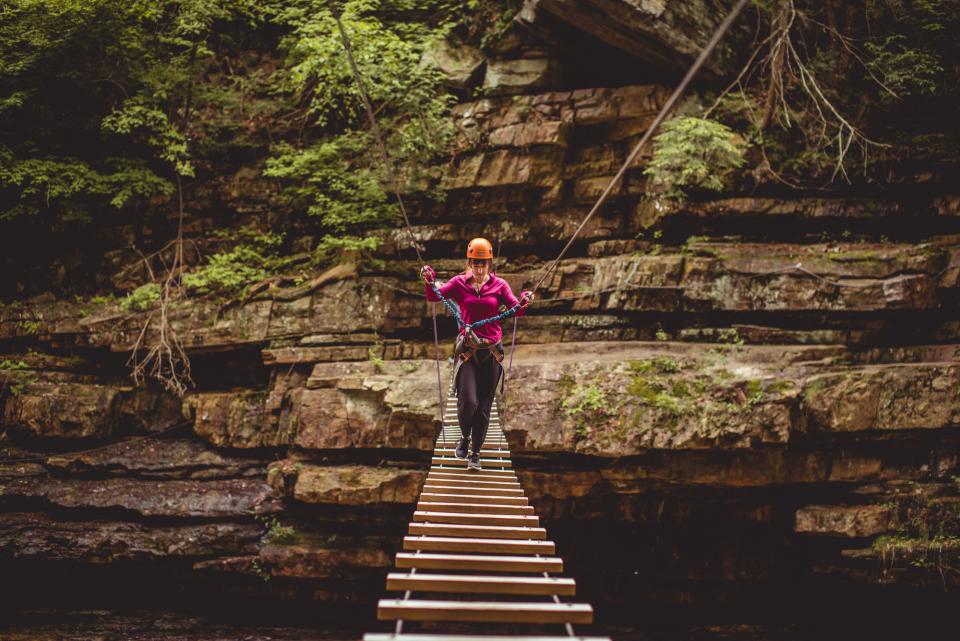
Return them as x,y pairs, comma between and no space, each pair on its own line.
181,499
150,458
520,75
459,62
346,484
847,521
895,397
33,535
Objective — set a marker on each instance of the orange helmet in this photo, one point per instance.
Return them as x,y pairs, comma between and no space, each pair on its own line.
480,248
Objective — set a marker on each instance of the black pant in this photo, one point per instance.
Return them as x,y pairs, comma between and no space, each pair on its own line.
476,385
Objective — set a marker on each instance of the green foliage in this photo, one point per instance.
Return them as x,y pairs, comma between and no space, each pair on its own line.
260,571
323,181
351,248
658,365
585,405
15,377
142,298
693,153
154,127
276,532
64,180
339,176
96,97
228,273
375,356
904,70
838,89
28,327
94,303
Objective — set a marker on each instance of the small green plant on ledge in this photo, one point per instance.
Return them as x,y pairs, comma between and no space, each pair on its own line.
229,273
585,405
15,377
332,249
277,532
258,569
375,355
693,154
28,327
142,298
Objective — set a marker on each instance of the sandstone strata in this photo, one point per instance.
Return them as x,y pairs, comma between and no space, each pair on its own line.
710,396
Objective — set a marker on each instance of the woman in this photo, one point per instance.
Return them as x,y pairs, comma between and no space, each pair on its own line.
480,294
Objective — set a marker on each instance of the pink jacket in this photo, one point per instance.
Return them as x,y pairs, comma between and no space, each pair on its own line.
473,307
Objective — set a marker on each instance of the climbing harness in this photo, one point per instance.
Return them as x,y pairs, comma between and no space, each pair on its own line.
470,346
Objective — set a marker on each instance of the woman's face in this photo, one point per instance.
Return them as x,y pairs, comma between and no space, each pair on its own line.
481,268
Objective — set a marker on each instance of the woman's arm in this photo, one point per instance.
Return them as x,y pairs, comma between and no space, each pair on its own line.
448,290
507,298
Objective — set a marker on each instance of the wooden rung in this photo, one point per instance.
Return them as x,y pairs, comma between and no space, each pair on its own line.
478,531
466,637
473,498
437,487
473,475
449,451
504,475
493,611
452,461
491,546
473,508
476,519
481,584
487,563
489,474
477,479
463,479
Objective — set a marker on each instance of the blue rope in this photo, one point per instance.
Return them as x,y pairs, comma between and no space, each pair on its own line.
470,326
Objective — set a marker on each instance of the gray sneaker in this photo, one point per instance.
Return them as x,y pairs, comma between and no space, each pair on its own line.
461,451
473,462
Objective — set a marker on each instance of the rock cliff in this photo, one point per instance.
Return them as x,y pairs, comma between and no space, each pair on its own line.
750,399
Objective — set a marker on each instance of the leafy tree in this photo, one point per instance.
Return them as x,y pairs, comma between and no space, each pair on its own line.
334,171
693,153
830,88
96,98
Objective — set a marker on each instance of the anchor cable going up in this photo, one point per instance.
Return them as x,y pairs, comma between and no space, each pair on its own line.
674,97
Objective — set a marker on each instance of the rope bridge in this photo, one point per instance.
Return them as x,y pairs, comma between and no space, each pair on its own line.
475,536
475,533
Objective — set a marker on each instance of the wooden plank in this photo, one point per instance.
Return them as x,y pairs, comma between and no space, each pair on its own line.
473,498
477,479
452,461
480,562
494,452
505,476
491,546
469,488
379,636
492,611
473,508
505,488
478,531
481,584
476,519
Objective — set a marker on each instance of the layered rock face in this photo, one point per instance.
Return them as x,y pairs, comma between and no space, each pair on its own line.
729,404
